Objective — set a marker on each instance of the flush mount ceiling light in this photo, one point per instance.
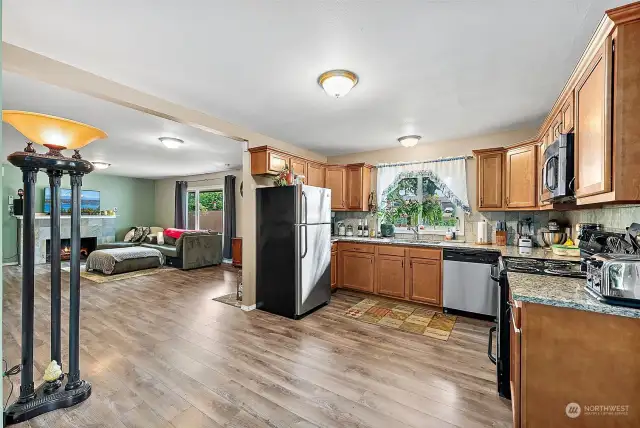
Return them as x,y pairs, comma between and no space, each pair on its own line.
170,142
409,140
337,83
101,165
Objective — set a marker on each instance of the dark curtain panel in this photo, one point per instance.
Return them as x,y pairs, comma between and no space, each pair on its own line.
180,216
229,214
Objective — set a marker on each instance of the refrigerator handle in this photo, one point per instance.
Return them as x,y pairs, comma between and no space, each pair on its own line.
306,210
306,243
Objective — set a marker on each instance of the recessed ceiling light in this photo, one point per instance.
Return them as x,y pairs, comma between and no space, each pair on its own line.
337,83
170,142
101,165
409,140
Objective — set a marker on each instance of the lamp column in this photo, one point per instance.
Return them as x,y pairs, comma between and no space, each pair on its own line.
29,176
54,183
74,292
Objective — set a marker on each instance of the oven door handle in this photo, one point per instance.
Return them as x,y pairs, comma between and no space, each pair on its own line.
489,354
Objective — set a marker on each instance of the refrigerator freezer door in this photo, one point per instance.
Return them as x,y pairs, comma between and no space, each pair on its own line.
315,205
313,267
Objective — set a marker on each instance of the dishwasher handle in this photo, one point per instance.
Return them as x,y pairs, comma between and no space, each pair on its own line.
489,354
494,268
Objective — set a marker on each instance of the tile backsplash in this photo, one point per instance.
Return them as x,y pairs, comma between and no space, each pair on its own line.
616,217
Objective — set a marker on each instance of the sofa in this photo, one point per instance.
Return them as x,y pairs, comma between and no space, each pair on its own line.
193,249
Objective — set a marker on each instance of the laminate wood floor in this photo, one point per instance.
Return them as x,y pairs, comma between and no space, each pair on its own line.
160,353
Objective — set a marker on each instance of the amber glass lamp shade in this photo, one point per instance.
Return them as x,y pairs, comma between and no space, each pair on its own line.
52,132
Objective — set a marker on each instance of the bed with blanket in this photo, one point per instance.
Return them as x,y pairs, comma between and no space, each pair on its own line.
120,260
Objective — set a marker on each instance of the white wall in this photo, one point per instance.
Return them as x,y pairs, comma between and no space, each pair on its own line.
165,195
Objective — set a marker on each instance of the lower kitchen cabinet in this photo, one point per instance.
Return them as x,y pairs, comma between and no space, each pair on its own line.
357,271
390,276
425,280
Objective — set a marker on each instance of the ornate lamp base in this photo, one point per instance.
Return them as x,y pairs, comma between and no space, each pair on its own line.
46,402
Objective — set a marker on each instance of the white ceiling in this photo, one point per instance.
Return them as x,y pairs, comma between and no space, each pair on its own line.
442,69
132,146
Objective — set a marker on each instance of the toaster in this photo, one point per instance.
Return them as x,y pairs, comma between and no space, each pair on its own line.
614,278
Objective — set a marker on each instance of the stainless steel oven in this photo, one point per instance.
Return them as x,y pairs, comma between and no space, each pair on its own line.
557,170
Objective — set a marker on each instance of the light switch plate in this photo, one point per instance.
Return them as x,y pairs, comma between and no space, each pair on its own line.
10,200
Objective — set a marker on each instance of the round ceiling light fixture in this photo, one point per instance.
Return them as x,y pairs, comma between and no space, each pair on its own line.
170,142
409,140
337,83
101,165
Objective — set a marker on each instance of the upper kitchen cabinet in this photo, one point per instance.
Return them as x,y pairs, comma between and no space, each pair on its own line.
336,180
299,167
268,161
358,187
521,176
489,176
593,130
316,174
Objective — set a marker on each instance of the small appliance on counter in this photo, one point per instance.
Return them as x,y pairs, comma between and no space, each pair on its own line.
342,231
580,227
525,233
349,230
614,279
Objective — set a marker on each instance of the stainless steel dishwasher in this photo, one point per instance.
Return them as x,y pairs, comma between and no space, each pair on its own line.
466,281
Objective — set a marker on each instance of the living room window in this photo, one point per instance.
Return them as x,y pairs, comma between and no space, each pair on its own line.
205,209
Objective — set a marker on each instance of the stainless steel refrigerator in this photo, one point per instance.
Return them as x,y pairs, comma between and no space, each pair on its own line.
293,245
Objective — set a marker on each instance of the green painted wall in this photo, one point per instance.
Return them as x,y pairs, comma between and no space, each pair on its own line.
134,198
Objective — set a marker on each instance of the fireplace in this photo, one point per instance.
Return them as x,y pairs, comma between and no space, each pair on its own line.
87,245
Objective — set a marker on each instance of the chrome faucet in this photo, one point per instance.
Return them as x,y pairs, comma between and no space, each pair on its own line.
414,229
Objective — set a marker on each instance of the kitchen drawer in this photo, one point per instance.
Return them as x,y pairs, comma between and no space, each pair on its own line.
390,250
426,253
360,248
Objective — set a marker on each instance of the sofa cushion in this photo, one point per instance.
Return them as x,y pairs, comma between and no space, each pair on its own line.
167,250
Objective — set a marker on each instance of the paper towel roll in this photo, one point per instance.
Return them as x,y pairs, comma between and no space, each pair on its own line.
483,232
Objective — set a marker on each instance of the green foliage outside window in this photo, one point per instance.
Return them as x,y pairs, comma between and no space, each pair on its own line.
209,201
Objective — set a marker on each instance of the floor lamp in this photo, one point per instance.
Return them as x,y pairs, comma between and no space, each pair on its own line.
56,134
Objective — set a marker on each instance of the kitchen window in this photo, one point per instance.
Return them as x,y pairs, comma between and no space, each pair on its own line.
431,195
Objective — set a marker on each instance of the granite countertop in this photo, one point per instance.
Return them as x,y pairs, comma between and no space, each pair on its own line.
561,292
506,251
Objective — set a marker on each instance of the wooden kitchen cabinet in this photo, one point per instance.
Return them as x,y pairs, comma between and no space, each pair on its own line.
567,112
425,280
316,174
358,187
521,177
489,176
357,271
299,167
544,193
390,275
336,180
334,266
515,360
268,161
593,128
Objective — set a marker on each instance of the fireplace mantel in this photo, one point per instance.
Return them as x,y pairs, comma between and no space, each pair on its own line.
101,227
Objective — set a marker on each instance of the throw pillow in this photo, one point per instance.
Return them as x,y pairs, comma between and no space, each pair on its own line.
145,232
152,239
137,234
129,236
160,238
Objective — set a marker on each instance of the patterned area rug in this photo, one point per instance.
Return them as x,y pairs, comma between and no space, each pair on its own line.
101,278
229,299
405,317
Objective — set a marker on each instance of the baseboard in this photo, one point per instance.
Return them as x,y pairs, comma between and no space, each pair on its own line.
10,264
248,308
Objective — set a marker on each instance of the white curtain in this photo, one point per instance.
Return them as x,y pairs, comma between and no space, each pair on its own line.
450,175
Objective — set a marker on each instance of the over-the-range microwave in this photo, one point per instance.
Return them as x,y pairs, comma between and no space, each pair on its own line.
557,170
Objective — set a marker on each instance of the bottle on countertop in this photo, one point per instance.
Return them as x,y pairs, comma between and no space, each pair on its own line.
359,227
365,230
